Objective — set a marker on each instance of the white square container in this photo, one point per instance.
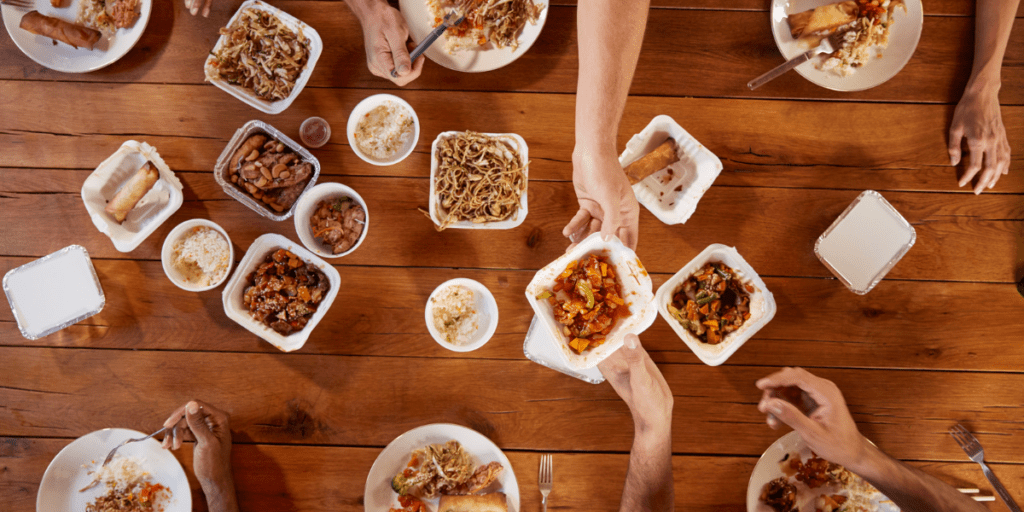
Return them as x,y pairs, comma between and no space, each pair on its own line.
54,292
637,291
316,47
672,193
865,242
539,348
235,309
149,213
762,304
519,216
222,175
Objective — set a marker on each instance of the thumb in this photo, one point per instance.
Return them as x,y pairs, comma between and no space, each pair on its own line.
399,54
790,415
611,221
633,351
955,136
197,423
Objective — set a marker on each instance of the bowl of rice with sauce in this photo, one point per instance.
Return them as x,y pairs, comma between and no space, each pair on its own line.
383,129
197,255
461,315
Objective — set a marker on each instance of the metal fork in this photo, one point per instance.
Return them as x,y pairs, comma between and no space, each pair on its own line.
546,480
21,4
975,452
827,45
453,18
110,455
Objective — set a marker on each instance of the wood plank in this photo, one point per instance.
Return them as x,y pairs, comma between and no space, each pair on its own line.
815,321
322,479
367,401
885,147
175,52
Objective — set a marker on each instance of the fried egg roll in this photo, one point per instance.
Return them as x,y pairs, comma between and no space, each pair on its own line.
662,157
60,30
132,192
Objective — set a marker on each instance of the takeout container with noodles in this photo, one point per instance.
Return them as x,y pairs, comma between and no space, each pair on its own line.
307,206
316,47
762,304
236,310
436,212
162,200
637,291
222,174
672,193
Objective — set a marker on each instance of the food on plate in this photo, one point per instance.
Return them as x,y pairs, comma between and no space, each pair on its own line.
269,171
132,192
779,494
865,23
60,30
384,131
498,22
410,504
479,178
203,256
587,300
712,302
128,488
283,292
108,15
338,223
56,3
823,19
493,502
454,314
661,157
816,472
262,54
443,469
829,503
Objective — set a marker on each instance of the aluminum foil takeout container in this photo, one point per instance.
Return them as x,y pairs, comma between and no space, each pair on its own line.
637,291
316,47
539,348
865,242
54,292
149,213
235,309
222,174
520,214
672,193
762,304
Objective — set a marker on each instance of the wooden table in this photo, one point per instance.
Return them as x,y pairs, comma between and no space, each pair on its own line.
937,342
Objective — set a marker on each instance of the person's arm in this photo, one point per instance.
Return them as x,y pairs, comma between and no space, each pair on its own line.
977,117
386,38
831,433
637,380
610,33
209,427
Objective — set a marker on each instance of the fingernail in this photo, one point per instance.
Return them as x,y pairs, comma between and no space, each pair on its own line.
403,69
630,342
195,10
775,409
606,238
192,407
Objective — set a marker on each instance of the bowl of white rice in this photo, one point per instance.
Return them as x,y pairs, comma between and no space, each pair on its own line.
197,255
461,315
383,129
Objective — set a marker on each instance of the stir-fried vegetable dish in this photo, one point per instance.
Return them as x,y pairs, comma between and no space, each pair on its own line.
443,469
284,291
712,302
587,301
262,54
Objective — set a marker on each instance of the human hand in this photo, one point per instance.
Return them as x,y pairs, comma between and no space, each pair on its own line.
637,380
192,6
386,38
829,431
606,199
208,426
978,119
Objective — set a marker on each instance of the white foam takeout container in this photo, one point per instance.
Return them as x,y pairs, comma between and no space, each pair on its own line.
517,218
487,312
693,174
316,47
307,205
539,348
865,242
762,304
363,108
180,232
149,213
235,309
54,292
637,291
222,174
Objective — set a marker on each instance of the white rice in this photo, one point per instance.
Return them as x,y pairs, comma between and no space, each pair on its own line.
384,131
454,316
122,473
202,257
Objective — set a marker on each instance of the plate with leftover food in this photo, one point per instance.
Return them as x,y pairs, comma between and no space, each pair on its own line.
790,477
880,37
494,34
441,468
141,476
77,36
197,255
264,57
383,129
478,180
461,315
332,220
715,303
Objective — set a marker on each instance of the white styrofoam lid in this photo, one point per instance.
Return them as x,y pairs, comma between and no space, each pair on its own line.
54,291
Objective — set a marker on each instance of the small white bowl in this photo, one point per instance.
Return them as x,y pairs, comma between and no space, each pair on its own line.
369,104
167,254
308,202
485,305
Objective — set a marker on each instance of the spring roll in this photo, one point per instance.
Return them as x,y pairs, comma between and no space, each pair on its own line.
60,30
662,157
132,192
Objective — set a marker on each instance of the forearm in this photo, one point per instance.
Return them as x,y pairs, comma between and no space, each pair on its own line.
610,33
649,478
993,23
911,489
221,497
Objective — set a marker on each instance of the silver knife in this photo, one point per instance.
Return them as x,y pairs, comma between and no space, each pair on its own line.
828,45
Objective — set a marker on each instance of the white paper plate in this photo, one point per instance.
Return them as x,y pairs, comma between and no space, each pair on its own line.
903,38
421,22
68,471
768,469
378,496
487,313
66,58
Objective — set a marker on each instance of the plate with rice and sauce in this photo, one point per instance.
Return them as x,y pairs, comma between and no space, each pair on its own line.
141,476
